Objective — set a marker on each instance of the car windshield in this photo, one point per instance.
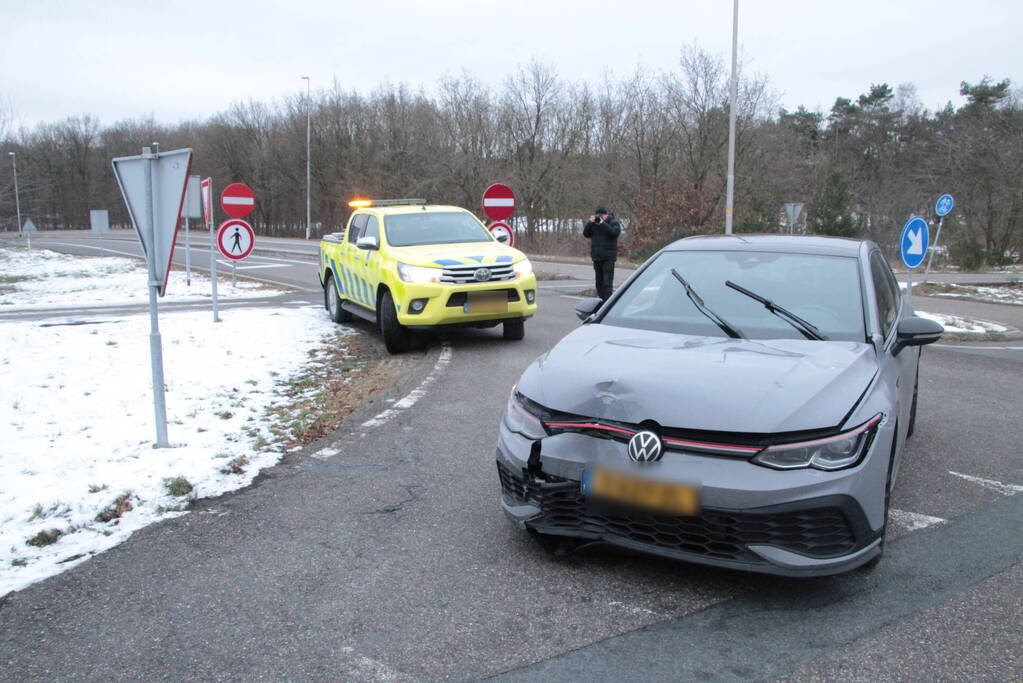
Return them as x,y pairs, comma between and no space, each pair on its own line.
822,290
411,229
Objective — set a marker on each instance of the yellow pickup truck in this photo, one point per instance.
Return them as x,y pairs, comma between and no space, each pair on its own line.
404,265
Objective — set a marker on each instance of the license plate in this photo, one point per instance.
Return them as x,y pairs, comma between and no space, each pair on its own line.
650,494
484,302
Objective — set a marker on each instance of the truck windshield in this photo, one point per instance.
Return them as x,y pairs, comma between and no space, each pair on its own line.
411,229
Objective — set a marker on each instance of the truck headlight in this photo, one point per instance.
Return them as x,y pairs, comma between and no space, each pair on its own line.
419,275
522,268
832,453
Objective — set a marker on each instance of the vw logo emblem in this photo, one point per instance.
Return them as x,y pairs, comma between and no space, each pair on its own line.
482,274
645,447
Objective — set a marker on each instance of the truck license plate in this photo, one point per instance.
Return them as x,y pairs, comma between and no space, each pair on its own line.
486,302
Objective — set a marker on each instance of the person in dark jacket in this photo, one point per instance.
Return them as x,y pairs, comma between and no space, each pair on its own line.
602,231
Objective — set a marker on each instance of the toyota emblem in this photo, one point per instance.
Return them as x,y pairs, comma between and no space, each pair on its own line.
645,447
482,274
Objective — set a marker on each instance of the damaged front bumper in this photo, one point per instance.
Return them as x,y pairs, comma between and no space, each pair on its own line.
794,523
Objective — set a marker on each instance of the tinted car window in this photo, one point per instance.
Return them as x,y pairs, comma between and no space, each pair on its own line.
886,291
408,229
823,290
355,230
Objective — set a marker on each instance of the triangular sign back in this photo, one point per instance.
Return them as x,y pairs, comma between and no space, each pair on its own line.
169,177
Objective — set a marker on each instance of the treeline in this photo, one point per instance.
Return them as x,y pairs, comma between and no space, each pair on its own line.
650,146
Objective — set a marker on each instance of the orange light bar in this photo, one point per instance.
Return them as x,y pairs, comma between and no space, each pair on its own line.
360,203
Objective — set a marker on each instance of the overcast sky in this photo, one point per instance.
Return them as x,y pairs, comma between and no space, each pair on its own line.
180,60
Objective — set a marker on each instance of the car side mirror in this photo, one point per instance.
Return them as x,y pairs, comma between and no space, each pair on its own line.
585,308
369,242
916,331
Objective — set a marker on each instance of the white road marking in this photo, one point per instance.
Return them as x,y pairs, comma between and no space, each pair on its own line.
327,452
635,609
227,264
413,396
981,348
565,285
991,484
913,521
577,298
364,668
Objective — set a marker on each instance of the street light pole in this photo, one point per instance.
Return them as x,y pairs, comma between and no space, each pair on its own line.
308,184
17,200
730,201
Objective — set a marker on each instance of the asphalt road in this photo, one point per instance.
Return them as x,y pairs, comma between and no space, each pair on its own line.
381,553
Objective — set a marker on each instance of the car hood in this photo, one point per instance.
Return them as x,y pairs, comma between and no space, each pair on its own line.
467,253
701,383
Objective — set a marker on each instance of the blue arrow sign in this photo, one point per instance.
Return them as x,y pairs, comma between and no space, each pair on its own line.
915,238
944,205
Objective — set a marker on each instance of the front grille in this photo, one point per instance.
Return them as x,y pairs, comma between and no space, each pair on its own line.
458,299
820,532
464,275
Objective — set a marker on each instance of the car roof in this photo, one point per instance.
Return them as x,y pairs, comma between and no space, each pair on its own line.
792,244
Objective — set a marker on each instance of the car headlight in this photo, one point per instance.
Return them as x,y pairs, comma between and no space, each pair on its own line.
419,275
522,268
523,416
832,453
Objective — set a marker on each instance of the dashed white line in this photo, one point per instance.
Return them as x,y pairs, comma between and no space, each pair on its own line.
413,396
913,521
990,484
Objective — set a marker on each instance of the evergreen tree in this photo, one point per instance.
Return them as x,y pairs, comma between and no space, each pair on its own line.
830,212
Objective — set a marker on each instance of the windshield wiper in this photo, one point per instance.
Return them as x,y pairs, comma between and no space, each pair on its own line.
730,330
808,330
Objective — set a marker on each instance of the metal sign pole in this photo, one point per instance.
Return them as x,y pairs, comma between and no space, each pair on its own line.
930,256
155,343
188,256
213,257
234,273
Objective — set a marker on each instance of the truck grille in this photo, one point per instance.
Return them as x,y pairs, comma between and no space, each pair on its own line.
463,275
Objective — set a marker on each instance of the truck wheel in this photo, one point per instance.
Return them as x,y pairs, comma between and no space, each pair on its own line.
396,336
514,330
332,301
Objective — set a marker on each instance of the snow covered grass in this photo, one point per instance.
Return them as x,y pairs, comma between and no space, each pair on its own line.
1004,294
964,327
43,278
78,471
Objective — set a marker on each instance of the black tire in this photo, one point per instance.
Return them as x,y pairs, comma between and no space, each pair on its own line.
514,330
396,336
876,560
332,302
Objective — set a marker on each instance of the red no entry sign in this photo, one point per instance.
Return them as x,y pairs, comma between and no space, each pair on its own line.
238,200
498,202
235,239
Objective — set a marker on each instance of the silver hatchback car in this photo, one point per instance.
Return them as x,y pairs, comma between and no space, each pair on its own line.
741,401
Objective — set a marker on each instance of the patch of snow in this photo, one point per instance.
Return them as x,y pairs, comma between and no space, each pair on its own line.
958,324
54,279
77,425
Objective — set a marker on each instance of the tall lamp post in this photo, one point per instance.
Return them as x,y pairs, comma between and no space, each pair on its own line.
17,200
308,184
730,202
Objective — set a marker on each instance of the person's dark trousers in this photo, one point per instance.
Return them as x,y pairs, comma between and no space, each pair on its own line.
604,272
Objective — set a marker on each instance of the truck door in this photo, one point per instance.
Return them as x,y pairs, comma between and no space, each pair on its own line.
353,267
370,260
